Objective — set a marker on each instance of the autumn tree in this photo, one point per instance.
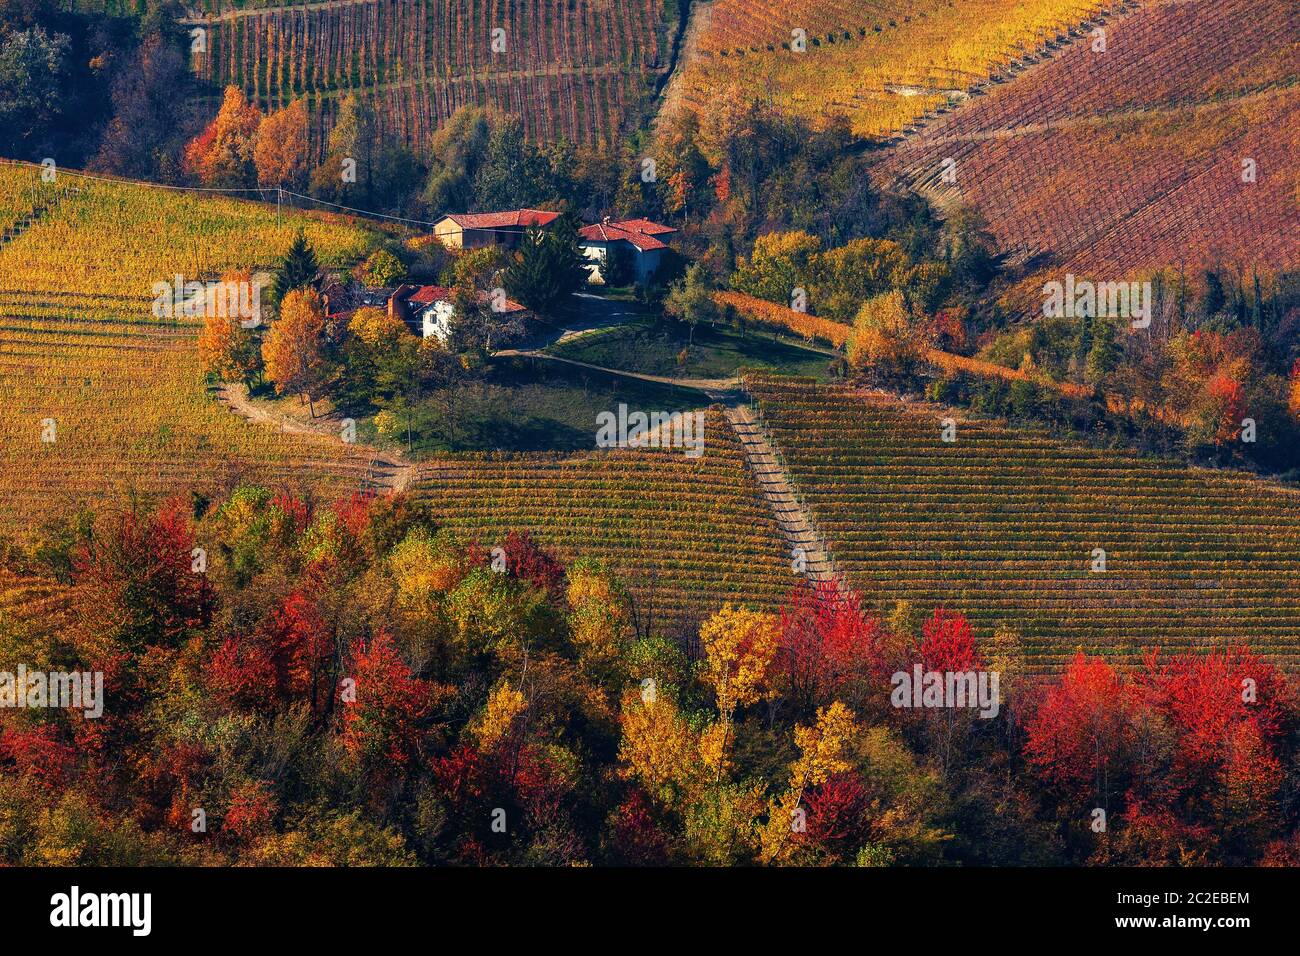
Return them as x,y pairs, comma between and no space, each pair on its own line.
739,646
828,647
292,351
598,613
382,725
138,142
659,748
282,147
228,350
289,658
227,347
528,561
137,579
886,336
381,268
1080,740
779,264
824,749
683,172
222,155
1226,713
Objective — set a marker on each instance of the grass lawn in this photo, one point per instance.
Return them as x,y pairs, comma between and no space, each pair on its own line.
655,348
529,405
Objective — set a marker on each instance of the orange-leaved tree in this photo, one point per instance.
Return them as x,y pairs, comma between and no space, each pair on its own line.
281,151
222,155
293,348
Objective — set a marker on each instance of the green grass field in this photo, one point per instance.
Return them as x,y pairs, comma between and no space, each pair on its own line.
654,348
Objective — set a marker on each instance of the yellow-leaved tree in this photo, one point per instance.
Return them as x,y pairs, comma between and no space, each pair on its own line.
739,646
823,751
598,618
292,349
505,705
886,335
226,347
659,749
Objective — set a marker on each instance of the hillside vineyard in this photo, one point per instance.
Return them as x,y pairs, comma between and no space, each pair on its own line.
581,71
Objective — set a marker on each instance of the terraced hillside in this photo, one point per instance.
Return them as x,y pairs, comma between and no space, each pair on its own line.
687,534
882,63
1109,163
581,69
97,395
1002,525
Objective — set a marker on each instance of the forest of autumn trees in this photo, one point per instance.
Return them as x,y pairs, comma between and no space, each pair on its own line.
242,146
346,683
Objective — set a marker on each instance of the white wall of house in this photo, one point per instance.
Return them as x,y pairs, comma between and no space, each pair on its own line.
645,263
435,321
596,252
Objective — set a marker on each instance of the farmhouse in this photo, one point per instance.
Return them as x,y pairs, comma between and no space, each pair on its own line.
640,239
475,230
428,310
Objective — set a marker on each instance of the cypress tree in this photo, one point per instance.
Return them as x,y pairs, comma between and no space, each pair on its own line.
298,269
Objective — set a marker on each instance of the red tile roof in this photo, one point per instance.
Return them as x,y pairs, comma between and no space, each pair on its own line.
429,294
644,226
639,232
515,218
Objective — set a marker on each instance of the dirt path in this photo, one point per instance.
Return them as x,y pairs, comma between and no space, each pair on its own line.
39,211
388,471
196,18
792,517
698,25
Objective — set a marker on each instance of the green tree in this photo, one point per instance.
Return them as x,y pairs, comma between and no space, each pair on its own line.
455,153
32,71
512,174
619,267
381,269
549,266
691,299
349,167
1103,353
298,269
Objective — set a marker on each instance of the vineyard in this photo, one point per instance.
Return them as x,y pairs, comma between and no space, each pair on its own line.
101,245
1002,525
581,70
686,534
1112,163
97,395
883,64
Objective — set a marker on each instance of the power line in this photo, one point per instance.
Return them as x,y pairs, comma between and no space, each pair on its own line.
261,191
362,212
